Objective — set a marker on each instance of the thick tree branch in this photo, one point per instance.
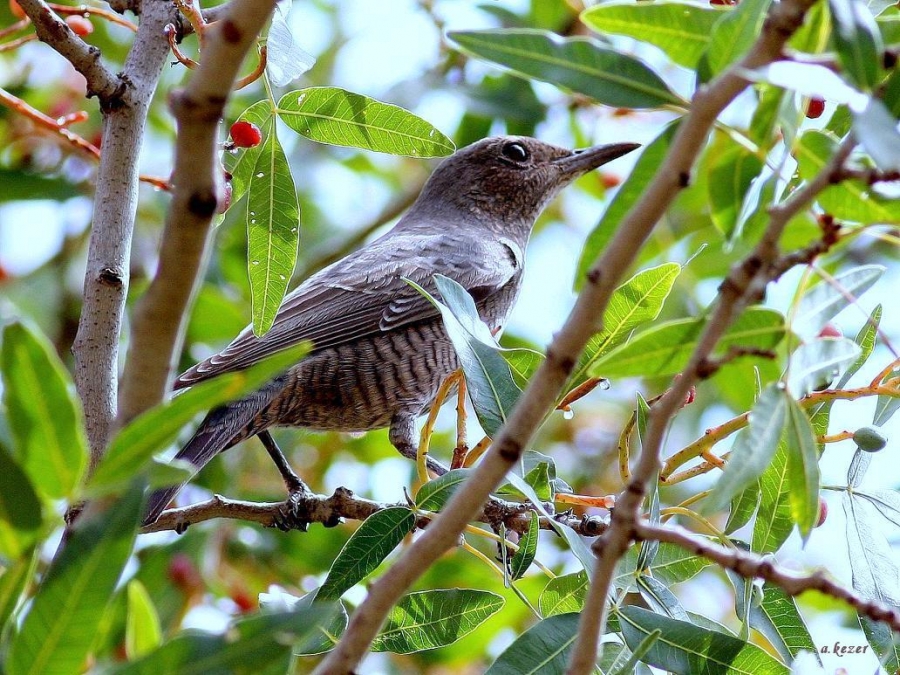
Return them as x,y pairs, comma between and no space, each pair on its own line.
161,315
751,565
51,29
563,353
745,285
115,206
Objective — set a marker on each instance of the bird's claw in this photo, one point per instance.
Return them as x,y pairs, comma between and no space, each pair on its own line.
292,514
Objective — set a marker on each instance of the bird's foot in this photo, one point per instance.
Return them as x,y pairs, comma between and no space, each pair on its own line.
293,514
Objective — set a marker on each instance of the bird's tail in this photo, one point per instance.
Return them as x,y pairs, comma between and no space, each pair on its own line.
223,427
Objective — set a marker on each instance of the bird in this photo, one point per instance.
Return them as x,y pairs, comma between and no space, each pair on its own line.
379,347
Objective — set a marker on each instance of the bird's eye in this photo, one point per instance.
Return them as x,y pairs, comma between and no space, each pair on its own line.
515,151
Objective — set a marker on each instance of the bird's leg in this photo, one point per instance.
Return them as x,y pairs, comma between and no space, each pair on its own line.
403,437
291,517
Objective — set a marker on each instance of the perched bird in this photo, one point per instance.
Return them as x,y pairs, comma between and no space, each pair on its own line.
380,350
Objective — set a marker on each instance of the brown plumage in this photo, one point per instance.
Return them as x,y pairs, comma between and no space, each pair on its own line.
380,350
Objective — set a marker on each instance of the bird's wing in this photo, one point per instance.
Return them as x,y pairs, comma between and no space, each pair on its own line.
364,294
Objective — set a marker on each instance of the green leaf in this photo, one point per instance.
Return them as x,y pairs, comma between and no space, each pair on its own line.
627,196
731,168
44,414
327,634
686,649
665,348
490,384
249,645
286,61
21,514
876,129
886,502
435,493
13,582
578,64
875,574
753,449
851,199
273,231
431,619
803,467
825,300
735,32
857,41
743,506
523,558
380,534
143,633
338,117
774,520
542,649
660,599
671,565
61,625
818,362
241,161
132,449
779,620
680,29
632,304
564,594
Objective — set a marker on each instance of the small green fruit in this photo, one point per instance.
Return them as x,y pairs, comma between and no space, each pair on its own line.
869,439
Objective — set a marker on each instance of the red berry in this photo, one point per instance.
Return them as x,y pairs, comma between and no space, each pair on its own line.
609,180
244,601
823,512
245,134
80,25
183,573
815,108
722,2
830,330
16,10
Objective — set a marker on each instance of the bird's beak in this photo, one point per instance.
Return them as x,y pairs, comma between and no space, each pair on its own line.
582,161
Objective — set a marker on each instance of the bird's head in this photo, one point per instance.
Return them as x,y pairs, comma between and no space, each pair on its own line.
506,181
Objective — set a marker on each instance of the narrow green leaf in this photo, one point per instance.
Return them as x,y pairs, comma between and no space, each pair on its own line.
743,506
671,565
133,447
821,303
778,618
680,29
774,521
326,635
20,509
627,661
564,594
803,467
578,64
731,168
857,41
61,625
542,649
753,449
817,363
380,534
338,117
875,574
13,582
523,363
686,649
523,558
660,599
490,384
876,129
437,618
851,199
627,196
143,633
735,32
632,304
250,645
435,493
859,465
273,231
665,348
43,412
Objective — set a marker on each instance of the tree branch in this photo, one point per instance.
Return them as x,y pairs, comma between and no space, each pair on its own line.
751,565
161,315
343,504
115,206
85,58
